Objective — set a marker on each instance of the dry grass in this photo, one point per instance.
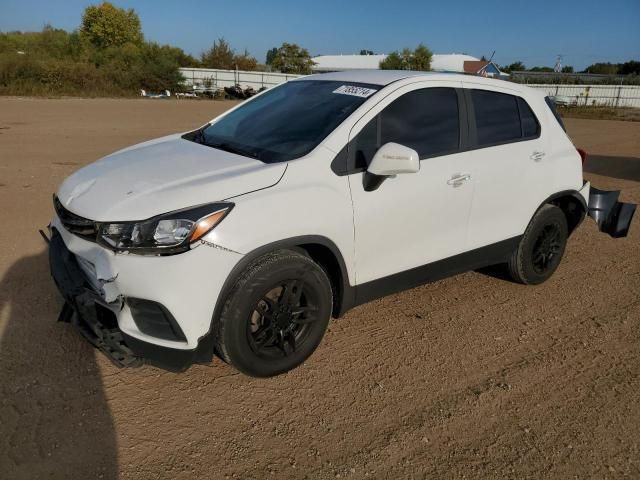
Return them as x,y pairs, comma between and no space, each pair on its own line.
601,113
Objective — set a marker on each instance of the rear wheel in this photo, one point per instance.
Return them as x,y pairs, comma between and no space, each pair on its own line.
541,247
276,314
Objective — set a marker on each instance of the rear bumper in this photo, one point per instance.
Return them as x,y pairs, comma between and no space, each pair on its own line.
97,320
613,217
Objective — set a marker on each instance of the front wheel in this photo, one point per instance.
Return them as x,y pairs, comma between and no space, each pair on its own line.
541,248
276,314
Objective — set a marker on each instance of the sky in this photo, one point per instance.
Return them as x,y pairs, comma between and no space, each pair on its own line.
535,32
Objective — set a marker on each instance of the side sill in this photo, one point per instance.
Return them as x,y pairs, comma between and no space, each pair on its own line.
431,272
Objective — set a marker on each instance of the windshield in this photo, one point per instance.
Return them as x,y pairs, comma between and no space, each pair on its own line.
286,122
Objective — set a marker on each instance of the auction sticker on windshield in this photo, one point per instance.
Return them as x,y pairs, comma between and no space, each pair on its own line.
355,91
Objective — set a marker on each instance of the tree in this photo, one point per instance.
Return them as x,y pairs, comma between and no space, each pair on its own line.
603,68
291,58
393,61
422,58
418,59
541,69
366,52
632,67
271,54
514,67
245,61
567,69
107,26
220,55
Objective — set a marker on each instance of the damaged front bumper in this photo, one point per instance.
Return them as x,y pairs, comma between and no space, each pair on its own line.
612,216
85,308
96,318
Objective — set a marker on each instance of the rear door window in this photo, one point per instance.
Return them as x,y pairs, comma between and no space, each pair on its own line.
497,117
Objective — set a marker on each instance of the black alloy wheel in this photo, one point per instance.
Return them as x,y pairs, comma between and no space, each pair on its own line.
275,315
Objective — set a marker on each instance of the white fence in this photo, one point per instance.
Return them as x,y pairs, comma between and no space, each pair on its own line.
581,95
595,95
212,79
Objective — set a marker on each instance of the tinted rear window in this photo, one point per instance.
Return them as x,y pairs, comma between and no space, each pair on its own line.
497,117
530,125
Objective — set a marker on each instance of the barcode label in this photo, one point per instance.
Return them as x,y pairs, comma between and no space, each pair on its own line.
355,91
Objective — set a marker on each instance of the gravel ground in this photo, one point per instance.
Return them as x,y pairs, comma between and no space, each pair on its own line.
470,377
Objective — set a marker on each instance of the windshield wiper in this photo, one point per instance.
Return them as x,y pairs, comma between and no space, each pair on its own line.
227,147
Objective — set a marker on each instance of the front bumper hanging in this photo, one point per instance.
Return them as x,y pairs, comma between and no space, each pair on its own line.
613,217
96,319
85,309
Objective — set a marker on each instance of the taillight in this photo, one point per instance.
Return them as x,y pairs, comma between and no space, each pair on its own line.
583,155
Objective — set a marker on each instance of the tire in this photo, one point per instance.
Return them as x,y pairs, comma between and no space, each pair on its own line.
276,314
541,247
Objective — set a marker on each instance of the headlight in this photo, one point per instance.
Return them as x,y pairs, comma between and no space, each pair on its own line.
166,234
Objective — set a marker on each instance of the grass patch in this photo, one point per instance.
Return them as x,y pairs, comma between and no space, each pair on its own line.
601,113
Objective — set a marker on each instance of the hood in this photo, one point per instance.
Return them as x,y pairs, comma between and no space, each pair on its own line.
162,175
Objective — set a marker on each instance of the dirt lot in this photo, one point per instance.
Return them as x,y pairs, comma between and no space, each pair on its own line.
471,377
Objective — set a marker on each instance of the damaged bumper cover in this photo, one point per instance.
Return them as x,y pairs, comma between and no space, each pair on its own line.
612,216
87,309
84,307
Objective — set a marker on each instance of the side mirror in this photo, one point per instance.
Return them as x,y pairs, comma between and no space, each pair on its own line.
391,159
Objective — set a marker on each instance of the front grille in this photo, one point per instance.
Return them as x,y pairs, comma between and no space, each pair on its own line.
75,224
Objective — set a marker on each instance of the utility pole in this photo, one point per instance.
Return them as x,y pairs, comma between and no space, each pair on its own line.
558,66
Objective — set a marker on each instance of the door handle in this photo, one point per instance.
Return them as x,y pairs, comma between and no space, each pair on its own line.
458,179
537,156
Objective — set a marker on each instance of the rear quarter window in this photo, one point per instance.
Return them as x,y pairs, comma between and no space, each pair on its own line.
530,125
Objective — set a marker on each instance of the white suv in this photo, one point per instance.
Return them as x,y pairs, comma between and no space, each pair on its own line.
244,237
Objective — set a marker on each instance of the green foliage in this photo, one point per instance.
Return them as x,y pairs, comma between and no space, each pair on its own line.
514,67
393,61
366,52
291,58
567,69
418,59
222,56
541,69
271,54
632,67
603,68
107,26
56,62
246,62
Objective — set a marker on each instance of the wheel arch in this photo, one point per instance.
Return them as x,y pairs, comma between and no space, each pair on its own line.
572,204
320,249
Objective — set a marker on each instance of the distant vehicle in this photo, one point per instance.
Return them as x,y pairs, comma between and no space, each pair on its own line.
564,101
243,237
186,95
144,93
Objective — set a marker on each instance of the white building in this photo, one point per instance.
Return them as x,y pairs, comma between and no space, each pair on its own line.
453,62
